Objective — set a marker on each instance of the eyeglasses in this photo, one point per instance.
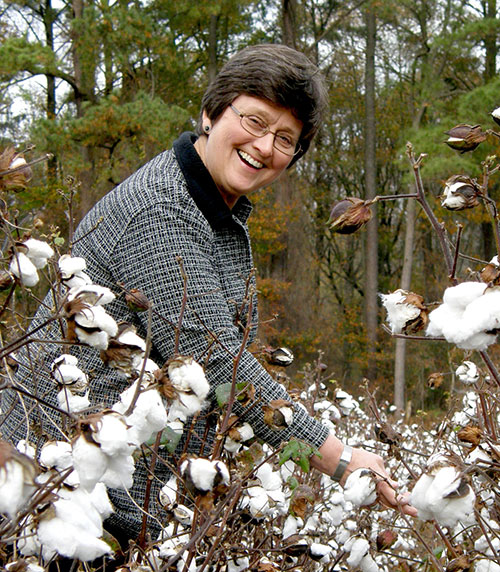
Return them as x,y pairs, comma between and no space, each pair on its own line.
256,126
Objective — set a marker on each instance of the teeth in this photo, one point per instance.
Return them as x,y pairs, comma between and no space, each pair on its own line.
252,161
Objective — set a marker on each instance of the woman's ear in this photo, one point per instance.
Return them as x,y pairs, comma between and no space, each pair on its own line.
206,123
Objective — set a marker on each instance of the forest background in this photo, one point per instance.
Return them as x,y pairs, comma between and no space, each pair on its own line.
105,85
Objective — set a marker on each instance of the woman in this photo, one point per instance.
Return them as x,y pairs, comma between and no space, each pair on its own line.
190,204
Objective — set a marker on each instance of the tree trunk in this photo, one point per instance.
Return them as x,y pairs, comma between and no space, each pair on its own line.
400,355
490,40
212,48
48,16
289,26
371,243
85,82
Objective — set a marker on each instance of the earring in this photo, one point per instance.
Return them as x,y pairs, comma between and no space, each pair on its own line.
207,128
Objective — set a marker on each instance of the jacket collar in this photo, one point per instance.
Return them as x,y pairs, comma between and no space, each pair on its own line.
202,188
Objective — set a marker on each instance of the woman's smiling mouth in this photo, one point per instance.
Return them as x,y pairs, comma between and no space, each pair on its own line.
250,160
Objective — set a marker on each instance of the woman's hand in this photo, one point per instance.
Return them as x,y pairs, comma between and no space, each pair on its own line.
387,492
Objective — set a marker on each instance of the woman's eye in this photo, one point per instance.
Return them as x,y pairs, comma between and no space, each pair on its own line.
285,140
256,121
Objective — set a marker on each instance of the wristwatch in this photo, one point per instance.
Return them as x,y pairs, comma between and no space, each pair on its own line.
345,459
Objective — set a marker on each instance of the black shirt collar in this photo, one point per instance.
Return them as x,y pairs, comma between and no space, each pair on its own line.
202,188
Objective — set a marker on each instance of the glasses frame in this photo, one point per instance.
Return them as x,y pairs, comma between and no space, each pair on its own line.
266,131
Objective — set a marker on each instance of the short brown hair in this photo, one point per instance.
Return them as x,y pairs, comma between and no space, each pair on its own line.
274,72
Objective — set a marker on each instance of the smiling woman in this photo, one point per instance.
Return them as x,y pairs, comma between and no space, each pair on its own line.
190,204
240,158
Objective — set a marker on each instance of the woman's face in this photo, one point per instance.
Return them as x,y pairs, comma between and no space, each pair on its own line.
239,162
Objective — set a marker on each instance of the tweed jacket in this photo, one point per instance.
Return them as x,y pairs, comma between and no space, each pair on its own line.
168,211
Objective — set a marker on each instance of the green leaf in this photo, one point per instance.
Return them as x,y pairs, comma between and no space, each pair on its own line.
222,392
169,439
299,452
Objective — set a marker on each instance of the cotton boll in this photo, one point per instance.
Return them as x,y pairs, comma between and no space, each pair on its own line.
259,502
187,375
168,493
399,312
203,475
26,448
56,454
287,470
72,403
441,318
148,416
176,425
462,295
270,480
368,564
468,317
112,434
186,405
27,539
24,269
89,461
92,294
238,564
312,525
97,340
58,537
442,495
483,313
357,548
100,500
320,552
65,371
119,471
467,372
291,526
484,565
38,251
479,458
97,317
360,488
183,514
70,265
17,479
77,510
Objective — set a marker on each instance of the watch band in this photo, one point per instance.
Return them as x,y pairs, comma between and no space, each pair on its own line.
344,460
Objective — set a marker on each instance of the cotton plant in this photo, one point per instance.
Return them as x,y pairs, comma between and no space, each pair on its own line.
88,322
70,526
468,316
17,480
186,389
202,476
72,271
102,451
172,542
73,383
265,497
443,494
406,311
467,372
238,435
29,257
148,414
126,352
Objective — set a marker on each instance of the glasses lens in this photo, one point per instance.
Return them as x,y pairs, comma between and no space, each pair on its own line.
254,125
